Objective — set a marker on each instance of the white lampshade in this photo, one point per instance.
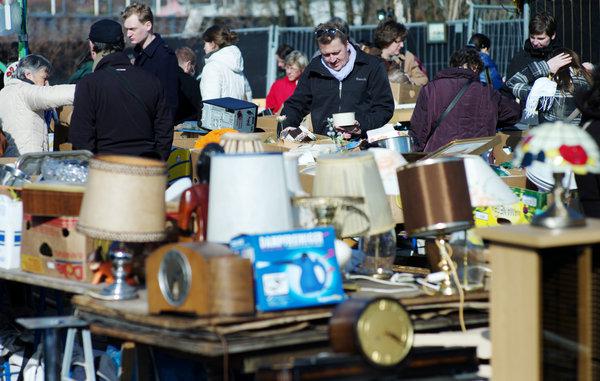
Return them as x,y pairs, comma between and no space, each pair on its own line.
236,142
291,172
355,174
247,195
124,199
486,188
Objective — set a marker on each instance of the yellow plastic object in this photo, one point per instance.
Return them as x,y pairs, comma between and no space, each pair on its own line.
212,137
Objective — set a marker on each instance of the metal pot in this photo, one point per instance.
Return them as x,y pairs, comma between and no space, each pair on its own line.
10,176
400,144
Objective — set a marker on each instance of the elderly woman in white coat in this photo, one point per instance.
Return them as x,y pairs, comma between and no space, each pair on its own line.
223,72
23,99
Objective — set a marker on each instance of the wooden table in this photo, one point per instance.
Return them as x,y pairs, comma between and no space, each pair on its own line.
60,284
244,342
129,320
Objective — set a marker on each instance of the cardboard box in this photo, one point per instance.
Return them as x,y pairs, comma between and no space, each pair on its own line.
530,203
52,246
503,151
405,92
517,178
293,269
267,123
229,113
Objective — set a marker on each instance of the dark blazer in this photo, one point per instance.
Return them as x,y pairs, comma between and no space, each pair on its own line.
366,91
190,100
159,59
109,118
479,111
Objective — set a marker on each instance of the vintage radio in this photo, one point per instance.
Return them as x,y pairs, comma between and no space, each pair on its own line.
229,113
204,279
544,302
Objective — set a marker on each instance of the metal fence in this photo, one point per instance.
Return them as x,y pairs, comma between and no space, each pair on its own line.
506,36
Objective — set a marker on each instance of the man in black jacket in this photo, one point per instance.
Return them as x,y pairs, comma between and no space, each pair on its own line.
190,100
119,108
151,51
538,47
341,79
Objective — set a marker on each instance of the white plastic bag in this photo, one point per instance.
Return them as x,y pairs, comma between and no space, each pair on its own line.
11,220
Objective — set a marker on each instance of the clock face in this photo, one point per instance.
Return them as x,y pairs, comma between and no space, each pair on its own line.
175,278
384,332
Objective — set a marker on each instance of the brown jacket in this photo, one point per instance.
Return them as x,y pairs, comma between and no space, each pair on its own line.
406,63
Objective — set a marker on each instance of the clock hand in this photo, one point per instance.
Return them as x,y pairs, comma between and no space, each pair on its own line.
393,336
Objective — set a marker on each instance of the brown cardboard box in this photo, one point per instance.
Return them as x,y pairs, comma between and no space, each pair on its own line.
508,141
52,246
180,141
267,123
405,92
517,178
306,180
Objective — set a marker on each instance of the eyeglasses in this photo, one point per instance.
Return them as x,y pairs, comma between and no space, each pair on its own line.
329,31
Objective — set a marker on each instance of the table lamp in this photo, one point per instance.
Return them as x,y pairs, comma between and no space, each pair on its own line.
436,201
486,188
241,143
564,148
247,195
355,174
124,201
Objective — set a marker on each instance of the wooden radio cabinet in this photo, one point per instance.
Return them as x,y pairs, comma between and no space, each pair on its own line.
545,299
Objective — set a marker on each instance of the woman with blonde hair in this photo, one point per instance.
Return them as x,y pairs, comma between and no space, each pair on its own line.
223,73
283,88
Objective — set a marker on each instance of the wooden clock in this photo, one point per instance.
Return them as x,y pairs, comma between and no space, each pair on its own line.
380,330
200,278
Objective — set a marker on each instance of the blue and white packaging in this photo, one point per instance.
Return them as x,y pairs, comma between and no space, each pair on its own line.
293,269
11,220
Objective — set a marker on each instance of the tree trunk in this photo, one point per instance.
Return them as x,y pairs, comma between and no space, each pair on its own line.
453,8
350,12
366,11
331,8
281,18
305,17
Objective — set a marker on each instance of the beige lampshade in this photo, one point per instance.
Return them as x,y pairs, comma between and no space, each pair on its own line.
124,199
355,174
241,143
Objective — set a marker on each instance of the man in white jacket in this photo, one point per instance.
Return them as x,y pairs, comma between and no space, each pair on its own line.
23,100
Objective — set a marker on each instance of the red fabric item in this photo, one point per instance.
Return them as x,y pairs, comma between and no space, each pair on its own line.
574,154
280,91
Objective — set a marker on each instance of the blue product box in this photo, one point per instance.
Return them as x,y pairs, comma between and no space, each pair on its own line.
293,269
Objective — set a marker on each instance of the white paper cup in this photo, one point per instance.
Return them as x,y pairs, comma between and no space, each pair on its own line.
343,119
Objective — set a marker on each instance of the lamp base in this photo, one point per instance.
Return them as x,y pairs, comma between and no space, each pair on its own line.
119,289
556,217
559,215
380,252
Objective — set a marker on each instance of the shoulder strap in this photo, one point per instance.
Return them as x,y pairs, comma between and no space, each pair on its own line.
123,80
573,115
448,109
488,76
